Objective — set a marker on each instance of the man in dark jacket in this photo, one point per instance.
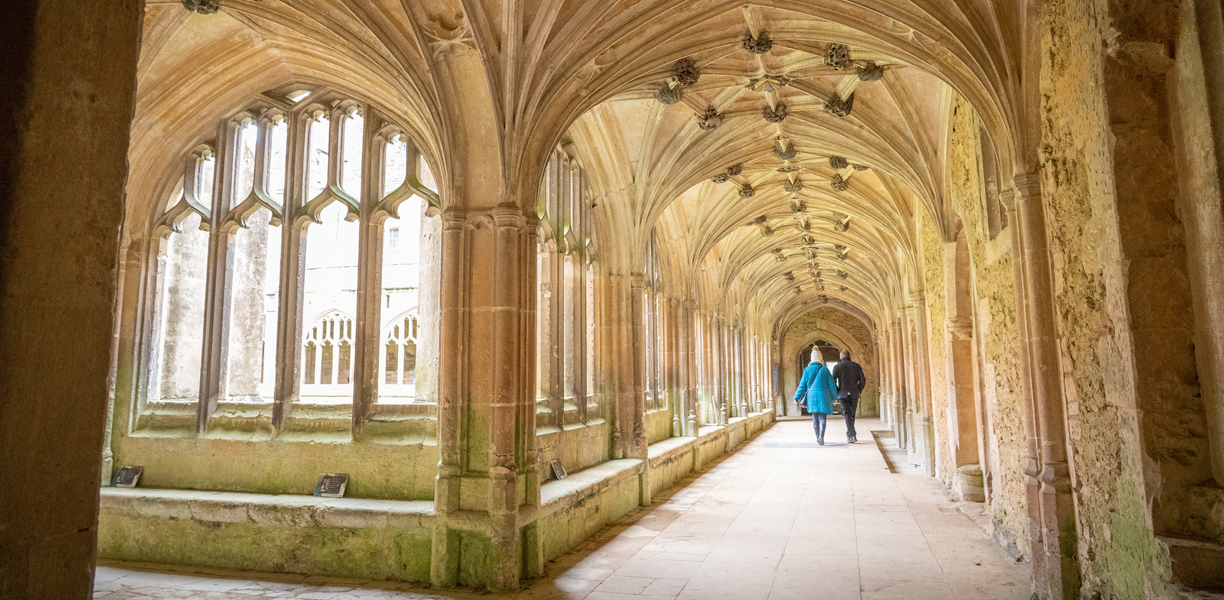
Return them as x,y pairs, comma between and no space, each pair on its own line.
848,376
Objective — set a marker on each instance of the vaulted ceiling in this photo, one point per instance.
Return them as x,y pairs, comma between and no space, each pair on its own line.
778,151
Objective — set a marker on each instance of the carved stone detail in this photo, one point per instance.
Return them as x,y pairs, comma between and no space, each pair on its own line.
669,95
838,162
801,206
837,56
746,191
204,7
870,72
842,274
860,167
710,119
838,183
735,169
775,115
785,153
720,178
792,186
756,45
788,169
838,107
687,72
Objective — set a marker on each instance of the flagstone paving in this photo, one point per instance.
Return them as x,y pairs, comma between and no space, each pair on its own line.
780,519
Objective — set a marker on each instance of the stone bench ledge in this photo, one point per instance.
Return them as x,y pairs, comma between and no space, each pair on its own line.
556,495
264,509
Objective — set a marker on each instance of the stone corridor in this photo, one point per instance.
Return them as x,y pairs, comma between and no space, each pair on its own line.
779,519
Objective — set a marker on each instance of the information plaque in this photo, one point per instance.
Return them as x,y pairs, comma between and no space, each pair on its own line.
558,470
127,476
331,485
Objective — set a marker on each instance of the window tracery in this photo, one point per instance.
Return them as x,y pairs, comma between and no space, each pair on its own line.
256,261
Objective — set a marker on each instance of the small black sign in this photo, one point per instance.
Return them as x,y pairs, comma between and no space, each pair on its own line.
127,476
331,485
558,470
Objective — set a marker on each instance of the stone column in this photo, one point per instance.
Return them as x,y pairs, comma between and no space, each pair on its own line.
912,414
923,380
900,424
1057,505
487,302
1032,466
70,86
886,392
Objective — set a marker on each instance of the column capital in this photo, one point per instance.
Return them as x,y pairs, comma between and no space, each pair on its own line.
1027,186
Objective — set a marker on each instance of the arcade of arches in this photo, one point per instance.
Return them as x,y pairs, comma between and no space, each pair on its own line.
452,247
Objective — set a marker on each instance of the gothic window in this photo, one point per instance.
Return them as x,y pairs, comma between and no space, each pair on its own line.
408,270
250,310
182,265
270,211
331,237
565,303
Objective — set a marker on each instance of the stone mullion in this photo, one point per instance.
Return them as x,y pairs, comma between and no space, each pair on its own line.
688,350
617,373
674,385
292,272
718,370
581,273
723,375
1057,504
367,329
220,257
636,398
453,354
741,384
556,326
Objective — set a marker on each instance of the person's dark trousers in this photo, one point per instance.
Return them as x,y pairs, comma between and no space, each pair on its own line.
849,407
819,420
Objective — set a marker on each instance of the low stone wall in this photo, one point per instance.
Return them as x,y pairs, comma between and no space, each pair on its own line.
342,537
378,539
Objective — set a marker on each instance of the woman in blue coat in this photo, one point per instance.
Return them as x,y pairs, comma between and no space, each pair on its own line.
818,391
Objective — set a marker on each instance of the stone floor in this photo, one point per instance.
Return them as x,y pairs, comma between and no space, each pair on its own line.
781,518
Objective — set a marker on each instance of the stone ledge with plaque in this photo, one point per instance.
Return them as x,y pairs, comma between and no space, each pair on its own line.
331,485
127,476
558,470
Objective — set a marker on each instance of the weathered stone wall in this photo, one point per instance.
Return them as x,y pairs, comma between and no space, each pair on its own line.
1119,555
996,326
838,324
932,248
